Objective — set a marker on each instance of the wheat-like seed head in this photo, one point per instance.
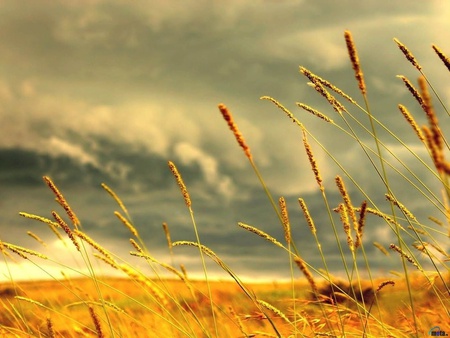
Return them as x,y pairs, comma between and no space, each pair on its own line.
381,248
285,220
413,91
39,218
347,201
29,300
407,115
184,271
226,114
436,153
351,48
383,284
315,78
62,201
275,310
399,205
361,223
136,246
307,215
260,233
50,329
107,260
92,243
284,109
312,161
342,209
97,323
314,112
304,269
21,251
36,237
337,106
431,114
408,54
442,56
115,197
66,229
178,178
404,255
384,216
126,223
167,233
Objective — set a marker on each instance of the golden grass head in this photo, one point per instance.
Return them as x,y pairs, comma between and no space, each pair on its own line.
314,112
66,228
62,201
180,182
126,223
442,56
407,115
404,255
312,161
408,54
307,215
304,269
413,91
361,223
355,61
285,219
97,322
233,127
260,233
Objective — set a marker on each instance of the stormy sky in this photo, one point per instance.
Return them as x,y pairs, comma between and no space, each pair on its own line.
108,91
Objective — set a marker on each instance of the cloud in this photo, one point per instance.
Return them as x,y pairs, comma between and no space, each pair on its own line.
189,155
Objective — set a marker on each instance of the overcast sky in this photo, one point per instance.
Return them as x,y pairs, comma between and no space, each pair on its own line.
108,91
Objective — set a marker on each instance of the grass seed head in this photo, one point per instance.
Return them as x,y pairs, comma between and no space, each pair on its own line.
66,228
442,56
407,115
351,48
184,192
226,114
285,219
62,201
312,162
126,223
408,54
307,215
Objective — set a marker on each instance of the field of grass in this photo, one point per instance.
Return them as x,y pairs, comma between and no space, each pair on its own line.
408,304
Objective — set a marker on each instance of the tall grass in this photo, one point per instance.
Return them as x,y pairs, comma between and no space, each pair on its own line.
357,304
